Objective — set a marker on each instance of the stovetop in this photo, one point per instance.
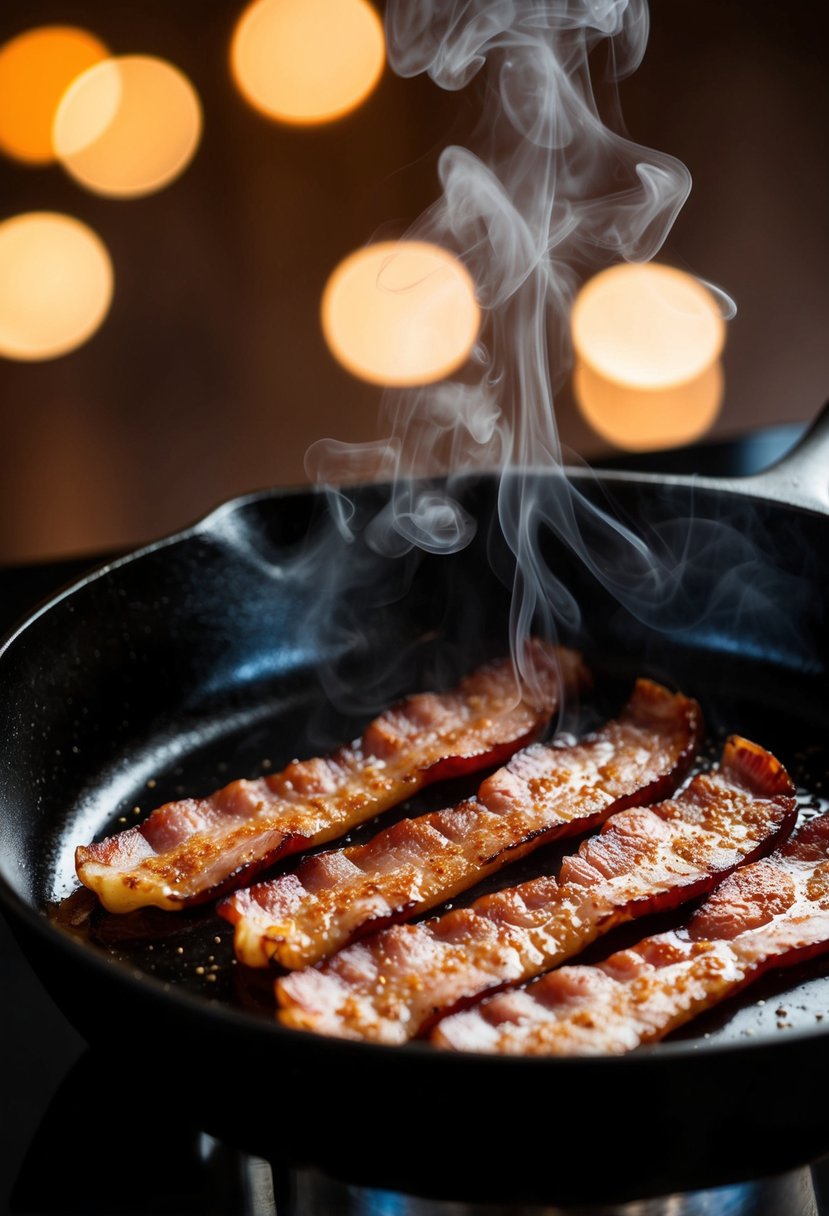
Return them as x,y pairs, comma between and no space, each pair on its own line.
60,1156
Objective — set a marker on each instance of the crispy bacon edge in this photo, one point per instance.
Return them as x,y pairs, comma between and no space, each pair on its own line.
266,916
394,985
768,915
137,867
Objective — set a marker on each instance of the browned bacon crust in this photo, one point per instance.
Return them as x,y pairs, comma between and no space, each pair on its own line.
187,852
394,984
769,914
543,793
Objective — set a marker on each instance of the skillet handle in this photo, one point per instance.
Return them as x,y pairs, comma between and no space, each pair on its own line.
801,477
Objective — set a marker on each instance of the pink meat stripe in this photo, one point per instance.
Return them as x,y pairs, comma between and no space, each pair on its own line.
769,914
189,851
394,984
542,794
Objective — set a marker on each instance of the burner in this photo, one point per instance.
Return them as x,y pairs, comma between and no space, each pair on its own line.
120,1140
308,1193
147,1155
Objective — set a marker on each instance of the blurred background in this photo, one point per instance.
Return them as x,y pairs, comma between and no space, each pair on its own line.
205,372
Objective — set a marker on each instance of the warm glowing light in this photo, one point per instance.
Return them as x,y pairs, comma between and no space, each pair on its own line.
647,325
55,285
401,312
36,68
128,126
641,420
307,61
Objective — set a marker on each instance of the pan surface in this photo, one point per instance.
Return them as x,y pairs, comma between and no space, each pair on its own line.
225,651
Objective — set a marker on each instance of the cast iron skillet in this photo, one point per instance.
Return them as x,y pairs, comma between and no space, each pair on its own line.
207,654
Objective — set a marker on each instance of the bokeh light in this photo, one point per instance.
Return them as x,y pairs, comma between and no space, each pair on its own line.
36,68
56,285
128,126
400,313
307,61
642,420
647,326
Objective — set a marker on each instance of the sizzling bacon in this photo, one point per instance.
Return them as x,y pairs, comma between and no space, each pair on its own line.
769,914
391,986
187,852
543,793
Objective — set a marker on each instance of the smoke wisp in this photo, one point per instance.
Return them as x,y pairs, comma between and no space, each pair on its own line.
548,194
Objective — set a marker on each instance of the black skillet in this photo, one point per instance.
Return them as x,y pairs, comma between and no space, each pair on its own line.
210,654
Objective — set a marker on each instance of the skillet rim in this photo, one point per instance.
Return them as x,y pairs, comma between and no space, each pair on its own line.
751,488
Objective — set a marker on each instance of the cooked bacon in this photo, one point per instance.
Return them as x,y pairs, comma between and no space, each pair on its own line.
543,793
392,985
187,852
770,914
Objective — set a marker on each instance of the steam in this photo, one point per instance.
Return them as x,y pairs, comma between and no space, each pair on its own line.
549,194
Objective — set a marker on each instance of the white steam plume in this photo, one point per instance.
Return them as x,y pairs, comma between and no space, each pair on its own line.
550,195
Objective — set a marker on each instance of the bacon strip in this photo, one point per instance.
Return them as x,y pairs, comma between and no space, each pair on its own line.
542,794
770,914
394,984
187,852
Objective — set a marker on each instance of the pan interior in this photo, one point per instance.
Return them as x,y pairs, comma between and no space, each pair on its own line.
193,950
192,665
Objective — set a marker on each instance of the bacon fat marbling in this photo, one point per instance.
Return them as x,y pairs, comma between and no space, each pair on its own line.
392,985
543,793
189,851
772,913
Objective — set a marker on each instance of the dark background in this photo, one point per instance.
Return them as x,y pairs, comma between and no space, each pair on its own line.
210,376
